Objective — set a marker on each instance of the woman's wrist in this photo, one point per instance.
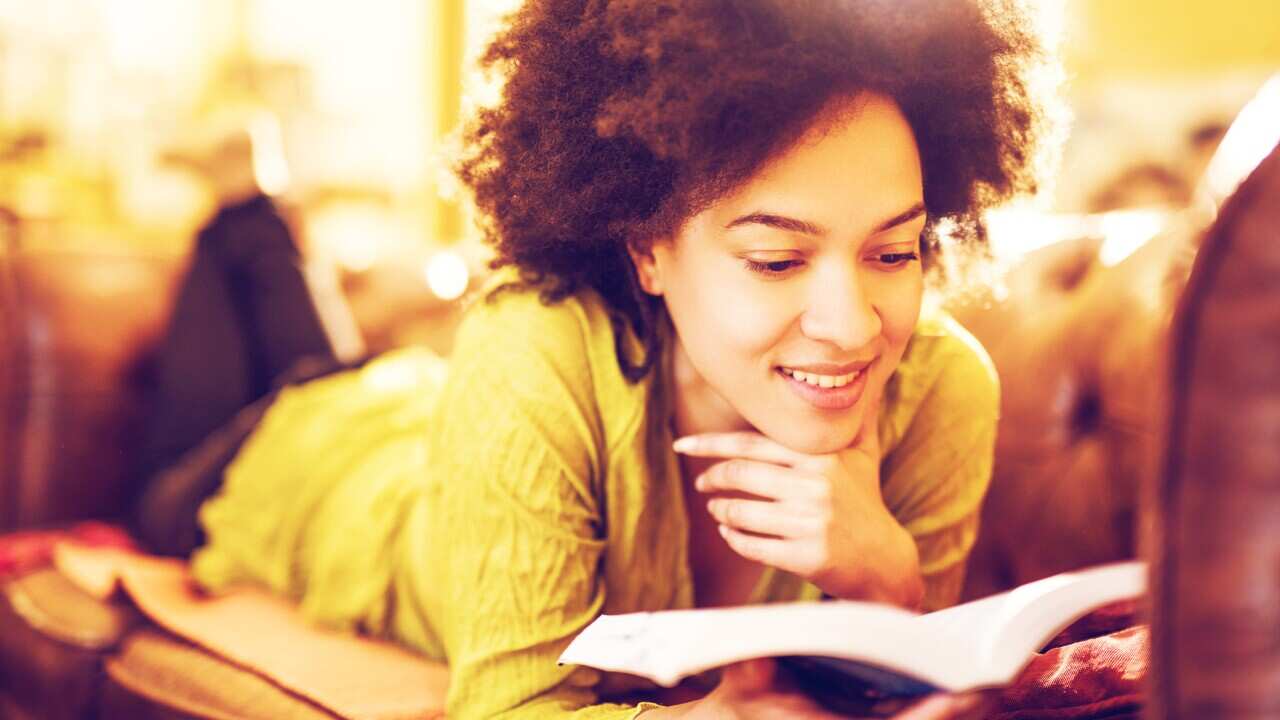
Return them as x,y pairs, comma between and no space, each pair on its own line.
892,576
904,585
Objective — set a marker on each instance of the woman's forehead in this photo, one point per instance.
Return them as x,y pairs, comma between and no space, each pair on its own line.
854,170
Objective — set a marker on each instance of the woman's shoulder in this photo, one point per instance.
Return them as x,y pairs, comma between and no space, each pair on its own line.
942,349
507,322
945,375
511,339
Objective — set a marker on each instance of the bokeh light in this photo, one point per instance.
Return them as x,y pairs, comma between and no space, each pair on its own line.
447,275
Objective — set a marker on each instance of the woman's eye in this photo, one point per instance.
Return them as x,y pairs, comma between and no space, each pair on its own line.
896,259
772,268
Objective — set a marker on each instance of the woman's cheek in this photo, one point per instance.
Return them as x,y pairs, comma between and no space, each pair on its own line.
900,299
755,319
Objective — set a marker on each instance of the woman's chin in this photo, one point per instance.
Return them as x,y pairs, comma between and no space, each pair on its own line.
800,438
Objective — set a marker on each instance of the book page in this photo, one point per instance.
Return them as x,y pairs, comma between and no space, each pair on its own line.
978,644
668,646
1034,613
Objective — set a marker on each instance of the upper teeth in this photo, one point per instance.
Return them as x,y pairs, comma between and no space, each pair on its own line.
826,381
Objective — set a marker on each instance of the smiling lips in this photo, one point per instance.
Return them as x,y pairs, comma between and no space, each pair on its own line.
828,387
817,380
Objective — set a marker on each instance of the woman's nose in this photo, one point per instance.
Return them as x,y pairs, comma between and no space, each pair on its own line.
841,313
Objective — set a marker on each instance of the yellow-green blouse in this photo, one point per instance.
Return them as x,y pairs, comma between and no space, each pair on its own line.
486,509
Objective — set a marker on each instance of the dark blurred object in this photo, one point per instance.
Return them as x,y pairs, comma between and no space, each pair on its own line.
243,318
1216,590
245,315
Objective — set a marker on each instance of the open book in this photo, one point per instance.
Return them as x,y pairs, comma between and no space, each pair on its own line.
895,653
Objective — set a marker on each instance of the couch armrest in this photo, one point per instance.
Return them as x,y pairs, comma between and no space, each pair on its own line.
53,638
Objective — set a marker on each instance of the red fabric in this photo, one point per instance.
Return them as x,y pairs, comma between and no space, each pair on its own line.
22,552
1095,678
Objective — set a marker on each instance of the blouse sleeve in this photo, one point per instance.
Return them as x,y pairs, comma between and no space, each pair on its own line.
515,544
935,479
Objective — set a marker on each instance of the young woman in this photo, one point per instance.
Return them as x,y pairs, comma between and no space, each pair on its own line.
705,372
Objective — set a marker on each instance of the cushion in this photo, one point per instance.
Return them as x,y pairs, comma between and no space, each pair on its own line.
153,667
52,640
50,604
350,676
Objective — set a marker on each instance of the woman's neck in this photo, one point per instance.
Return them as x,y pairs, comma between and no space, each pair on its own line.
698,407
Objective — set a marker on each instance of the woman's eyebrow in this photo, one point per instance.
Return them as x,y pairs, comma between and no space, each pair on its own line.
901,218
805,227
780,222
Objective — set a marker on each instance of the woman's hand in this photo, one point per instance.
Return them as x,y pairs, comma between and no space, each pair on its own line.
747,691
818,516
751,690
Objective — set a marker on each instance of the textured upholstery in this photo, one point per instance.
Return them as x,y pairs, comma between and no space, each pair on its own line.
79,329
1077,345
155,669
75,330
11,375
49,603
1216,592
52,639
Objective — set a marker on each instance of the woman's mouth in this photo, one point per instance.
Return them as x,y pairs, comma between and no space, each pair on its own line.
827,392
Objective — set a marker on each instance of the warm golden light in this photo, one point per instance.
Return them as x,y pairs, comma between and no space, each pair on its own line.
447,275
484,18
1018,230
269,166
354,235
1252,136
1124,231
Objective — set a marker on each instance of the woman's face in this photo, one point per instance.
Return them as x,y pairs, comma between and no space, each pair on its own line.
793,298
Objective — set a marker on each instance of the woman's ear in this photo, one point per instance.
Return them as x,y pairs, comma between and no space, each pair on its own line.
646,270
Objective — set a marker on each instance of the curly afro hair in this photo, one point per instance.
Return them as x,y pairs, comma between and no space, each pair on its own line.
622,118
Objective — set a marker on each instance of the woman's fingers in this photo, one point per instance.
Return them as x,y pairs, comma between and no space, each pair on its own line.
769,551
749,676
763,517
746,445
752,689
762,479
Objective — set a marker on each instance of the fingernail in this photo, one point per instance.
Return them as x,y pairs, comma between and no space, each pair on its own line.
682,445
